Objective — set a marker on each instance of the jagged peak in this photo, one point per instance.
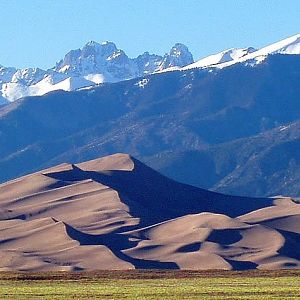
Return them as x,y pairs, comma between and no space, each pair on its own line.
179,47
7,68
179,56
28,76
103,44
91,43
148,54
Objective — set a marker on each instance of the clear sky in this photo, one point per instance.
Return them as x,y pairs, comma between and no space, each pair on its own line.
39,32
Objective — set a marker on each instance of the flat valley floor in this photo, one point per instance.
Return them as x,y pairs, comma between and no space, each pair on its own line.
136,284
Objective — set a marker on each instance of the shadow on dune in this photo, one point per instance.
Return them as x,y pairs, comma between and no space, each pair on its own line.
156,198
225,237
190,247
116,243
291,247
242,265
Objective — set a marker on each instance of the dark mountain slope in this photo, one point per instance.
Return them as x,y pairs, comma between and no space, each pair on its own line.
265,164
172,111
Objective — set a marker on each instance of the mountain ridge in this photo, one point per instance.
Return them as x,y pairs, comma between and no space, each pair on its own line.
93,64
96,63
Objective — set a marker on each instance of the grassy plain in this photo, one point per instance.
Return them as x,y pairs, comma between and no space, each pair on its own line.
152,285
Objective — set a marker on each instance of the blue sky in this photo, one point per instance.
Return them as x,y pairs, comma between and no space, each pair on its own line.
39,32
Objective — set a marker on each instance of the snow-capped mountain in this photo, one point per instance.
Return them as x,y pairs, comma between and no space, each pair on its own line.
179,56
105,60
289,46
16,90
6,74
96,63
28,76
221,57
248,56
148,63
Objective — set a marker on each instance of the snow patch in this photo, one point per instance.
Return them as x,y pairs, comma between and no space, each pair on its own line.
282,128
96,78
13,90
142,83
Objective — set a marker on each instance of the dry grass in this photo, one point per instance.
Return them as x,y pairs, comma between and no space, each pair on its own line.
152,285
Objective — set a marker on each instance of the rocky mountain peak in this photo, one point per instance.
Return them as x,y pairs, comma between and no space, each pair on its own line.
179,56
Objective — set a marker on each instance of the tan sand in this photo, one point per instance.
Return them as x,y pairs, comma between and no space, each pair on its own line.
116,213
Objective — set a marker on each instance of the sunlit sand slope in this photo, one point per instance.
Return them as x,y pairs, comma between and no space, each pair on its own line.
117,213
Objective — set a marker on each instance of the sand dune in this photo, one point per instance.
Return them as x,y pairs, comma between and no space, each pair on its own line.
116,213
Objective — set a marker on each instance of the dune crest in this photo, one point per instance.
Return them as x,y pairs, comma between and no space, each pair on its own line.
117,213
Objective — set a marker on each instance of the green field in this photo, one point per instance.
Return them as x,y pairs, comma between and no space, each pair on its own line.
151,285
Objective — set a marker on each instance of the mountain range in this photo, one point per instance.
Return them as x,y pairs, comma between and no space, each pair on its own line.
116,213
231,127
96,63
